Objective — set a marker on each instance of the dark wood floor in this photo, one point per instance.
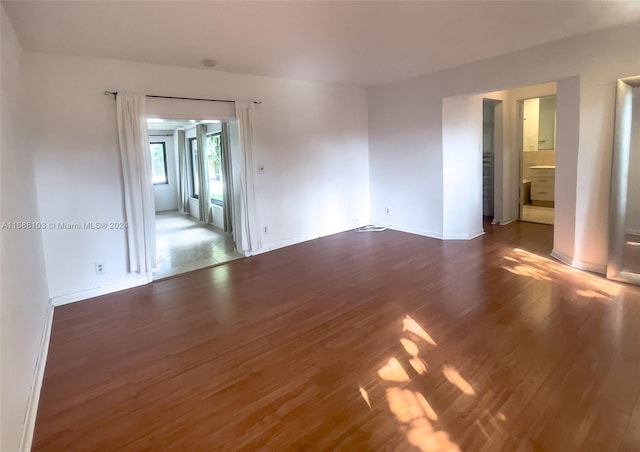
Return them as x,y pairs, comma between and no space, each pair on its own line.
358,341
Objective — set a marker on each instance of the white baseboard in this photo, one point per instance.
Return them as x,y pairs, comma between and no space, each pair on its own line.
438,235
422,232
502,222
96,292
278,245
463,236
295,241
590,267
34,396
580,265
564,258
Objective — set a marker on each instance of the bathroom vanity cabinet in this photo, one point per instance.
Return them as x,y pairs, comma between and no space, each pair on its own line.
542,185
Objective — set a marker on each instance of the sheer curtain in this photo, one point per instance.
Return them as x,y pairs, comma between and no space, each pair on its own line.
246,231
138,188
204,196
183,172
227,199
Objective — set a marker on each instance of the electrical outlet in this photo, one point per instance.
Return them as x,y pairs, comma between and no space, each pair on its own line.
99,268
355,221
260,168
387,211
265,230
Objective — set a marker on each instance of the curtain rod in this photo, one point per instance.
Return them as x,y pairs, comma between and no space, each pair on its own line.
115,93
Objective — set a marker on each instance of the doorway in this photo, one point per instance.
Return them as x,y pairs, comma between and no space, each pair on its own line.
537,142
192,232
489,134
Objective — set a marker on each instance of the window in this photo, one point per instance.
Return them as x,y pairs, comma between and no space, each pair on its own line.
158,163
195,176
214,165
213,144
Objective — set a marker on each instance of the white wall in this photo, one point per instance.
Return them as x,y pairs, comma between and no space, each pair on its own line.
166,195
462,167
24,307
405,119
312,139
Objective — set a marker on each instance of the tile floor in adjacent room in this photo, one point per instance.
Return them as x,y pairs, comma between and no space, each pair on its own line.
184,244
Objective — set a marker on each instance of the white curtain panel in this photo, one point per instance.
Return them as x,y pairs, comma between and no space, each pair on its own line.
227,178
138,188
183,172
247,229
204,198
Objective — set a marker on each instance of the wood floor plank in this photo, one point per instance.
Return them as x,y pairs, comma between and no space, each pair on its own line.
357,341
631,436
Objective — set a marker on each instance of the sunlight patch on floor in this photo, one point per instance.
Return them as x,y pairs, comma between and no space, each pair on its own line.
454,377
414,412
418,365
422,435
365,396
409,405
408,324
393,371
410,347
417,418
525,263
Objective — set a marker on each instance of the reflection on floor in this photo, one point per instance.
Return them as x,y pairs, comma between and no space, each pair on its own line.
535,214
631,253
184,244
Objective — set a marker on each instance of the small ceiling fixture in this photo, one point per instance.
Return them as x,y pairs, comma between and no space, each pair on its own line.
209,63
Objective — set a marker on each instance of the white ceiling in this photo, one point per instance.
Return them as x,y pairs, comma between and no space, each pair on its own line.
359,43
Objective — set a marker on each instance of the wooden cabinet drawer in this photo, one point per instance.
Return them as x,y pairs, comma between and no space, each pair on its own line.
543,182
542,193
543,172
539,180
